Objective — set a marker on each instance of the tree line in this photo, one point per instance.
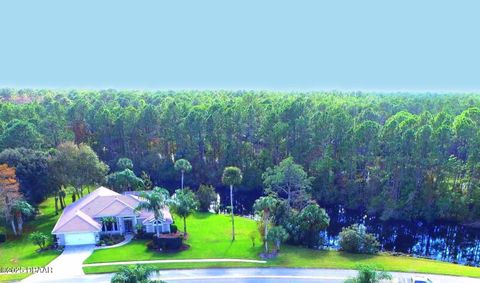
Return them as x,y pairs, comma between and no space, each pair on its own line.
400,156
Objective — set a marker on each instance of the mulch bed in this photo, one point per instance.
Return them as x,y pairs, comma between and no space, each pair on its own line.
173,235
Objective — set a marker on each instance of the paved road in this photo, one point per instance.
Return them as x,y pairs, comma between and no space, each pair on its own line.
254,275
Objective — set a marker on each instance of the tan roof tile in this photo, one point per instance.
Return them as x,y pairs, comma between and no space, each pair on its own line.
78,216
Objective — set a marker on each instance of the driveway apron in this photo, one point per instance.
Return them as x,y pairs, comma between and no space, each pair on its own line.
66,265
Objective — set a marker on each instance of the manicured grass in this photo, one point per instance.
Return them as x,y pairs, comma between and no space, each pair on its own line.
295,257
306,258
19,251
187,265
209,237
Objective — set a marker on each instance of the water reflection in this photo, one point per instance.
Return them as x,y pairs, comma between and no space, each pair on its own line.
440,241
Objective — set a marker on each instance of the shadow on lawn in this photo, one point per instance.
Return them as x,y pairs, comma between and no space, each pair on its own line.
203,215
355,257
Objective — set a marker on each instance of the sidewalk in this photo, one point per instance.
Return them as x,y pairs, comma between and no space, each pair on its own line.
173,261
128,239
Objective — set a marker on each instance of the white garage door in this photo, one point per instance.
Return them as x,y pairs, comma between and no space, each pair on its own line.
79,239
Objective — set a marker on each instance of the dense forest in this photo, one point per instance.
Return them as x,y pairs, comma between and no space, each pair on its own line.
399,155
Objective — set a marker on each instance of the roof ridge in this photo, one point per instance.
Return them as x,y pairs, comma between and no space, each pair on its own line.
72,209
110,203
87,218
82,216
83,201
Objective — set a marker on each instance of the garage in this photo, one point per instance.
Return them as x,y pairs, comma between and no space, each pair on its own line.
73,239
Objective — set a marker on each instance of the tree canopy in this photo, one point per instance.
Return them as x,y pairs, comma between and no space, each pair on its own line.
288,179
124,180
398,155
232,176
124,163
32,171
77,166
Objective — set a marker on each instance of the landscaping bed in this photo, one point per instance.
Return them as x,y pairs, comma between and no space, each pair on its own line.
110,240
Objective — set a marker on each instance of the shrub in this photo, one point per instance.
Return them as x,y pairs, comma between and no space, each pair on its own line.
133,274
304,227
173,228
111,239
3,238
371,244
144,235
355,239
40,239
174,243
206,195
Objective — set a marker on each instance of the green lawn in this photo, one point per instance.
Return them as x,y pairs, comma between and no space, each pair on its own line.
209,237
19,251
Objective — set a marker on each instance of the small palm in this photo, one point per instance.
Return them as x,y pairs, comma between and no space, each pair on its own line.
368,274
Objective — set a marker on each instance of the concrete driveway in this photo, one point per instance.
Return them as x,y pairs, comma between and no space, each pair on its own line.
65,266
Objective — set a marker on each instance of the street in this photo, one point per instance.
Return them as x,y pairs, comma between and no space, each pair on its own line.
257,275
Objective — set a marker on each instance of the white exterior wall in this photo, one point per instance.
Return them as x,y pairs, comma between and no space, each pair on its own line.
61,238
164,227
149,228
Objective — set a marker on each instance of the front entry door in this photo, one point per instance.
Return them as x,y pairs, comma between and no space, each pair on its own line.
128,225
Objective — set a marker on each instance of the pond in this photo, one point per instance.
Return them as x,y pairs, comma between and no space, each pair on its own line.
441,240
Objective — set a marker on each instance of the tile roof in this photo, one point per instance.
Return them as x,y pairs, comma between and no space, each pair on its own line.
79,216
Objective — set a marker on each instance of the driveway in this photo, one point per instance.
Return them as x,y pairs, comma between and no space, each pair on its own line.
258,275
65,266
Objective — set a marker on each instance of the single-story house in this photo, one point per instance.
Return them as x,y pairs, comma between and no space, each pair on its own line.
104,211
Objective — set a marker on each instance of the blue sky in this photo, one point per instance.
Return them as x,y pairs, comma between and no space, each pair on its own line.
248,44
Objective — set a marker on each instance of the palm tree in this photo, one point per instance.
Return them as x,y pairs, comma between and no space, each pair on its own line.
277,235
184,203
136,274
265,206
232,176
183,166
19,209
367,274
155,201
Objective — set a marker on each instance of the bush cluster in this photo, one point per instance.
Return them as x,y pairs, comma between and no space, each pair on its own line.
305,226
206,195
355,239
110,240
166,244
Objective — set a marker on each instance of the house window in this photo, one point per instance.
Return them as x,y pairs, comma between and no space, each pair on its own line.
109,224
